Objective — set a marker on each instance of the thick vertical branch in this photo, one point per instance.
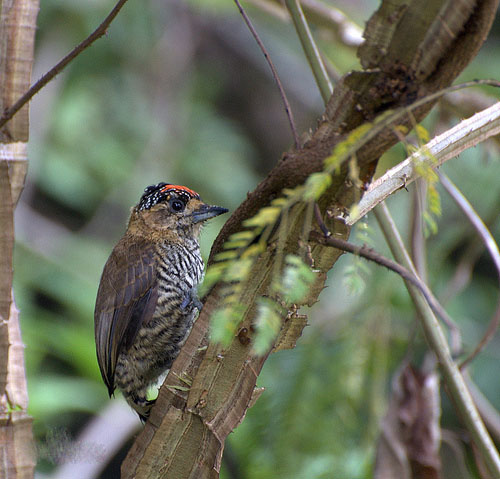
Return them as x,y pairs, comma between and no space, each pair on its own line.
6,246
17,32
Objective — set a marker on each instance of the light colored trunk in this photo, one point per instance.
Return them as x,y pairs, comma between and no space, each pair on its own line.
17,33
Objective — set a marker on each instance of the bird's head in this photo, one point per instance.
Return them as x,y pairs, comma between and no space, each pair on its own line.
171,210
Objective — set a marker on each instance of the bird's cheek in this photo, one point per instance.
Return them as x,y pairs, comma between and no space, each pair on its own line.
163,217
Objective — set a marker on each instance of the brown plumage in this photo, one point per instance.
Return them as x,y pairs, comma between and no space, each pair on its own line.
147,302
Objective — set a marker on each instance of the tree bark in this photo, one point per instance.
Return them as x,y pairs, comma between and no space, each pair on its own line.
412,49
17,33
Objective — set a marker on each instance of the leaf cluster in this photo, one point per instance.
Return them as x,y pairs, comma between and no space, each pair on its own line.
233,266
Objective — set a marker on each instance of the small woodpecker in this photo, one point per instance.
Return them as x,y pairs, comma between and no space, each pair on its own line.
147,299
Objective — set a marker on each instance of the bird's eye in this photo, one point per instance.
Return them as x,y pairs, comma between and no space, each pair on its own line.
177,205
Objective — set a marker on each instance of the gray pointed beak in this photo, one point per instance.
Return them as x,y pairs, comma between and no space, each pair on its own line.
206,212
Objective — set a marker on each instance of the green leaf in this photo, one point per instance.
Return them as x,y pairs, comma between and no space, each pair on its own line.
225,322
296,280
354,212
241,239
353,280
266,216
344,147
280,201
253,250
238,270
434,200
293,194
268,324
425,170
364,233
246,235
410,149
230,244
226,255
316,185
422,134
402,129
430,225
213,274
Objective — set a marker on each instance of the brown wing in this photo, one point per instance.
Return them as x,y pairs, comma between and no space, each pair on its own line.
126,299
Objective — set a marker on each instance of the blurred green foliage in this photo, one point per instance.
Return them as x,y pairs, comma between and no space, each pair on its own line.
179,92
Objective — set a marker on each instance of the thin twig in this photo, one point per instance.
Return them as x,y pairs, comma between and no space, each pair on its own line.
453,378
310,49
417,236
489,413
487,337
474,218
463,273
34,89
276,77
324,16
321,223
492,248
369,254
468,258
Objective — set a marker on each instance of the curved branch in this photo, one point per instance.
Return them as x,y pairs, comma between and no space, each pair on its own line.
284,99
492,248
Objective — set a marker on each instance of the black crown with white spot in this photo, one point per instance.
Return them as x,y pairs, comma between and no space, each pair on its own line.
155,194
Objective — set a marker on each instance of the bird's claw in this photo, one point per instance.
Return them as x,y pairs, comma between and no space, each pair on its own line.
191,298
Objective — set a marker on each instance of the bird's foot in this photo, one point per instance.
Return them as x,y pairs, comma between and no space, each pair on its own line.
144,410
141,406
191,298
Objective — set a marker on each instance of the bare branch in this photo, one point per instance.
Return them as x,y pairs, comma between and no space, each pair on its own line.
59,67
276,77
310,49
